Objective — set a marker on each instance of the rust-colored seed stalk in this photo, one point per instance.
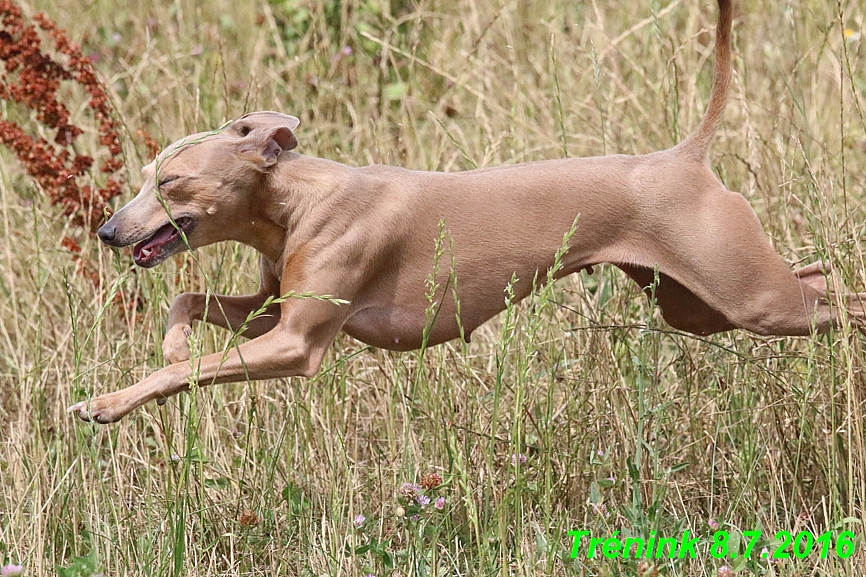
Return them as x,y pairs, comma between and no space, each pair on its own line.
31,78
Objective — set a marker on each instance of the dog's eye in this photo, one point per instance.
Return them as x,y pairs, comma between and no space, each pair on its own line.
244,130
165,180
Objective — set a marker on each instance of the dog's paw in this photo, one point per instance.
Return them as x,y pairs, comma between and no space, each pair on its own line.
104,409
175,345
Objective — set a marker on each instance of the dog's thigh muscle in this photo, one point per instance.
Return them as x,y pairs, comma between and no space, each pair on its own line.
722,255
680,307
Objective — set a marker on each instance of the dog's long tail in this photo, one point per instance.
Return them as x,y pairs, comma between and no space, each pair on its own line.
697,143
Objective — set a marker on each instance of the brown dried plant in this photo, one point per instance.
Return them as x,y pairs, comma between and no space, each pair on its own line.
32,78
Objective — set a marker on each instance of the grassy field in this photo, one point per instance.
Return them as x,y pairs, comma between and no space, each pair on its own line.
578,409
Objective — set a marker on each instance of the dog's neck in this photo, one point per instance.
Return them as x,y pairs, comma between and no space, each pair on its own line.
297,190
264,235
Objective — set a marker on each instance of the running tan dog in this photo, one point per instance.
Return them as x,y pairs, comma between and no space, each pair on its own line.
367,235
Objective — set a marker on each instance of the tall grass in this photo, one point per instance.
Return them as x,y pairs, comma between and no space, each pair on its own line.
577,409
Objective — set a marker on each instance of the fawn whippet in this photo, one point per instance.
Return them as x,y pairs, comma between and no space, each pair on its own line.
367,236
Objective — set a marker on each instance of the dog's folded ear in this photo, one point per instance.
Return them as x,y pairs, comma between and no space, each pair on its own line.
264,145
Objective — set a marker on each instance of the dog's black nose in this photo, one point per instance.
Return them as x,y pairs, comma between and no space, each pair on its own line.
106,233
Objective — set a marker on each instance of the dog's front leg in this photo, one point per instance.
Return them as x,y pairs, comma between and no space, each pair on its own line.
306,329
228,312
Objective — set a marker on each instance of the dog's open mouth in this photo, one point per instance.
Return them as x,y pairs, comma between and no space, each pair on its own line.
163,243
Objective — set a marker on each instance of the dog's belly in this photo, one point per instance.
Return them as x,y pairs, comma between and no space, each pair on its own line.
400,325
397,319
395,329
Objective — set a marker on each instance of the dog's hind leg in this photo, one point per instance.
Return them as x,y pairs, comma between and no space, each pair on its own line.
680,307
718,271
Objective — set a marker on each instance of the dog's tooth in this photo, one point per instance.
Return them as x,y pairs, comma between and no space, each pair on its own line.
145,252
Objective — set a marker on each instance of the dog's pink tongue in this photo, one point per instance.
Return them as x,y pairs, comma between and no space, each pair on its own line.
161,237
144,250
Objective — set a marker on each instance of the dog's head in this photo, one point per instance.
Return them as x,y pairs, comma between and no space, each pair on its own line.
196,190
